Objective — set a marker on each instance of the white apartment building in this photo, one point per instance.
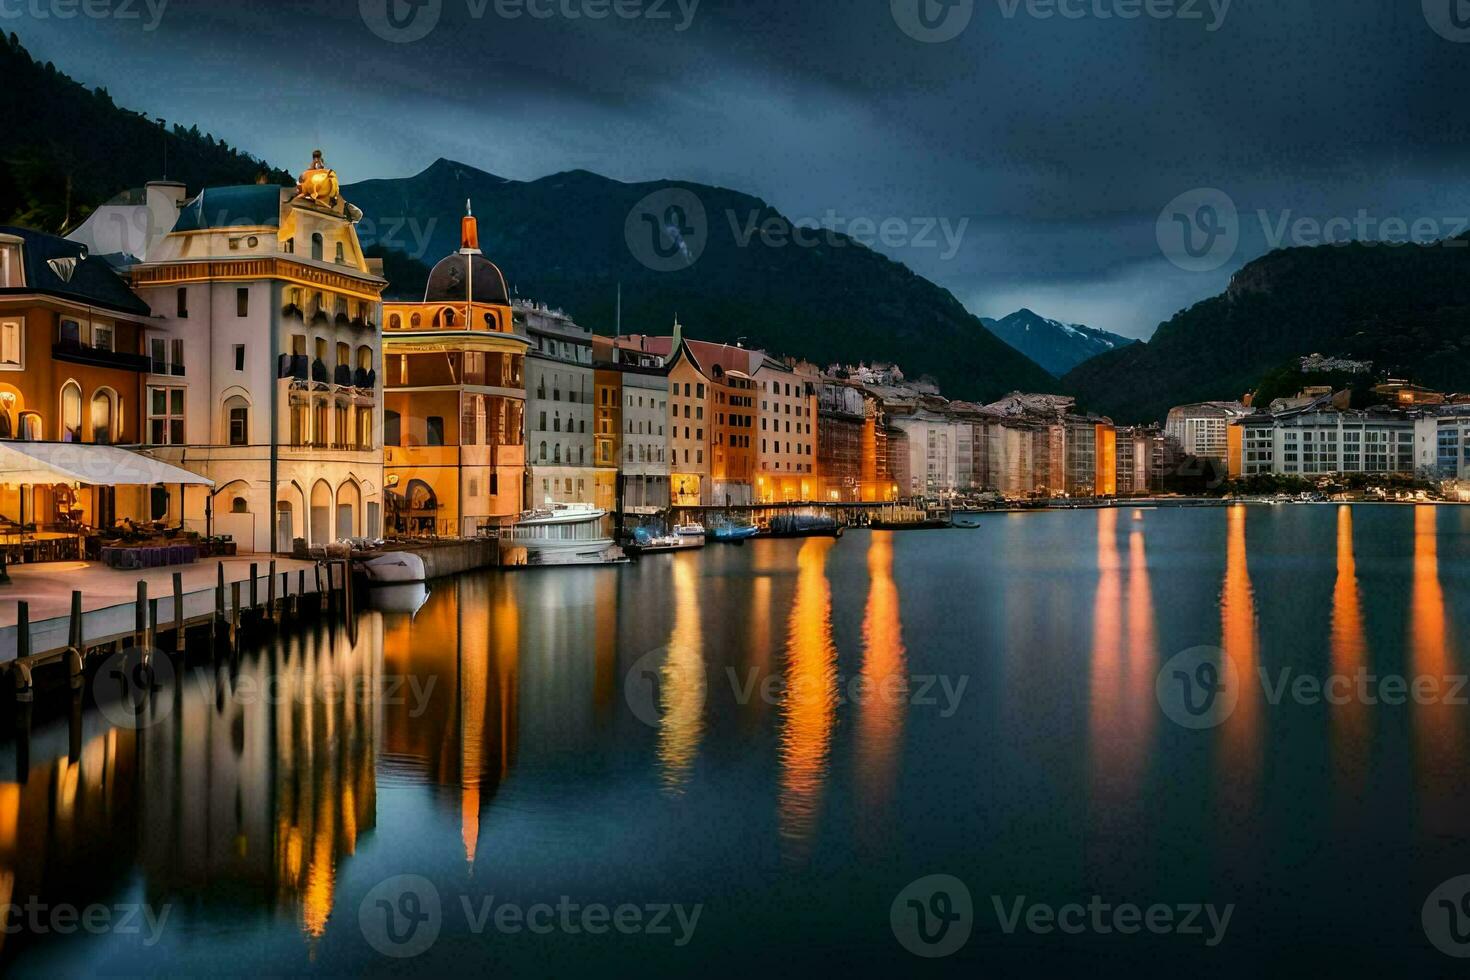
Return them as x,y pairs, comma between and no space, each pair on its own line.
1319,440
786,462
265,361
645,447
559,408
1203,430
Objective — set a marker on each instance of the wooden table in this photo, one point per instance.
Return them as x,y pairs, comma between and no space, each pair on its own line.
40,546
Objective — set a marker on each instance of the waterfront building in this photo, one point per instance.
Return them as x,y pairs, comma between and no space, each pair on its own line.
934,440
786,468
455,400
607,422
852,443
1443,438
1202,430
1140,455
689,417
1320,440
644,469
560,385
264,363
733,465
72,336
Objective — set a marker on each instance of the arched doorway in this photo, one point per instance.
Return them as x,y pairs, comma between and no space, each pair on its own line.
321,514
349,505
104,416
422,508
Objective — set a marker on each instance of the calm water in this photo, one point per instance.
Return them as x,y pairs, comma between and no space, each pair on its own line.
786,735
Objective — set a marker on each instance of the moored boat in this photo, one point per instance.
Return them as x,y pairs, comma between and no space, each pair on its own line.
803,526
691,530
392,568
564,534
730,532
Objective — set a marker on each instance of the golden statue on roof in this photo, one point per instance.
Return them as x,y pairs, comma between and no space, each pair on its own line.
318,182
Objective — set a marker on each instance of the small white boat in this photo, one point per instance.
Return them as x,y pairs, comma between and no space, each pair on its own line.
564,534
691,530
404,599
393,568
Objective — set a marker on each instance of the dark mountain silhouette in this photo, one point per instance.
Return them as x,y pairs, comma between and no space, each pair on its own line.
1404,307
67,148
564,240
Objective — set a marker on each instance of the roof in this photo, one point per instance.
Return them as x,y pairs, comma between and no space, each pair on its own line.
57,267
30,463
450,280
241,206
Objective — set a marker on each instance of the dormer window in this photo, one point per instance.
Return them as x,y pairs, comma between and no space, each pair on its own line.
316,246
341,255
11,276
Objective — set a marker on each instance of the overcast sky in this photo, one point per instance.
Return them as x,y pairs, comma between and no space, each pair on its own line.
1047,147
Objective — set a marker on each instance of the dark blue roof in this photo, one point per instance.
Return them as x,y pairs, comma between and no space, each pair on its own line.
92,281
243,206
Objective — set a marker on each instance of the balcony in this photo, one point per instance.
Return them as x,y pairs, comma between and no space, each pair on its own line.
78,353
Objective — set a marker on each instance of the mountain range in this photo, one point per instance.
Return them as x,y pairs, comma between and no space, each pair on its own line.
571,240
1058,347
1404,307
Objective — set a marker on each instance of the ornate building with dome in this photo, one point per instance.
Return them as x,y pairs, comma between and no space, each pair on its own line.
455,400
263,361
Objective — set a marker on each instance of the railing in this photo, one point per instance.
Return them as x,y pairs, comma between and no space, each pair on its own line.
78,353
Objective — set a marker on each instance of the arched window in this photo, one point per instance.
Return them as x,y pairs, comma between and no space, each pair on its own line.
395,322
316,246
237,421
71,412
239,506
543,452
341,256
415,321
104,417
30,427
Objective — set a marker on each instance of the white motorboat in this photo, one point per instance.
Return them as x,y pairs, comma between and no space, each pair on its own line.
405,599
564,534
393,568
690,530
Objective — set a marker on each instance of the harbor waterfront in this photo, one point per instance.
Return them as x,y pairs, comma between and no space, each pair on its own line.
753,755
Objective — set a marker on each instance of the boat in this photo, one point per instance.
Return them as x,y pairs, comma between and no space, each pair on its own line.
803,526
645,542
392,568
405,599
729,532
691,530
923,524
564,534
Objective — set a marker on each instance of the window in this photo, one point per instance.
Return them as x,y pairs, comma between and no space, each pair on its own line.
435,425
239,357
239,425
102,336
165,416
167,355
181,301
104,416
341,257
12,346
10,275
242,301
316,246
239,506
392,428
71,412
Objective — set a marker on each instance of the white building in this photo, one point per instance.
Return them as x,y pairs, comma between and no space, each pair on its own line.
1320,440
645,464
265,361
1203,430
559,393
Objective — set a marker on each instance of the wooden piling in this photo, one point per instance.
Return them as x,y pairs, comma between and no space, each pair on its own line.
140,616
74,630
178,611
270,599
254,592
22,630
296,607
234,614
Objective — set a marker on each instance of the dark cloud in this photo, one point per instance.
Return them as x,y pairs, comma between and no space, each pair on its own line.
1058,140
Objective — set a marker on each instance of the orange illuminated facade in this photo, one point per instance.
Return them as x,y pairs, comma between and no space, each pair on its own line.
455,401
